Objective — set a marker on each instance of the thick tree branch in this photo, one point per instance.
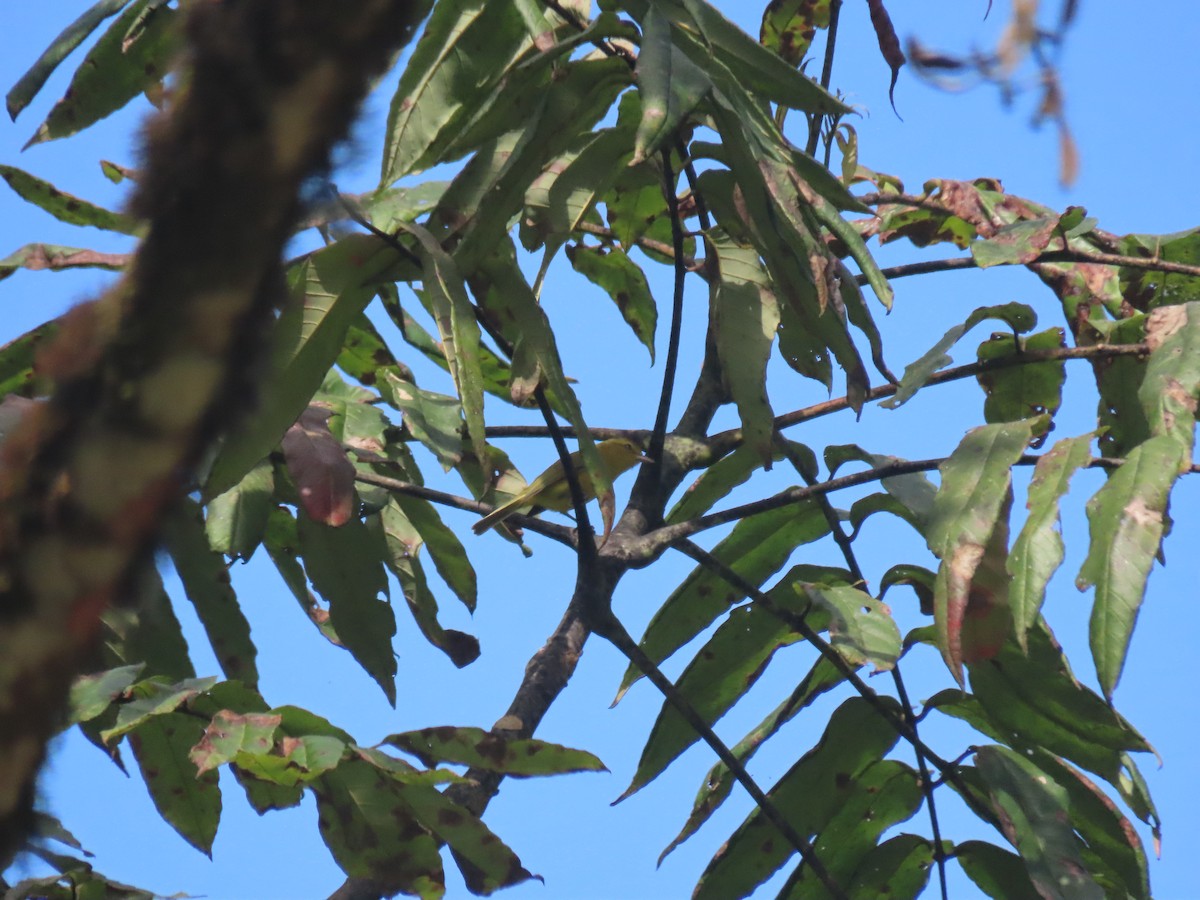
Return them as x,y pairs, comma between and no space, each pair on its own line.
147,377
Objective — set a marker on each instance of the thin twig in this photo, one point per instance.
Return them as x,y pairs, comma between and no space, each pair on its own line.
814,126
672,362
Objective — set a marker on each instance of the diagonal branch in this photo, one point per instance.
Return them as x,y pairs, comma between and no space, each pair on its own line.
843,541
613,631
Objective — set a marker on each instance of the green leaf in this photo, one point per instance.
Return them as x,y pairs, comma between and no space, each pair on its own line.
154,698
724,669
971,505
486,862
345,565
1026,390
28,86
756,549
17,375
491,188
189,800
860,627
1035,814
566,191
236,520
811,794
670,85
1114,852
483,749
388,208
149,633
886,793
1038,550
365,823
719,782
329,289
63,206
1034,699
505,294
625,282
465,51
715,482
445,549
1146,289
746,316
37,257
404,542
283,546
914,490
920,579
720,40
92,694
206,582
998,873
115,70
788,26
1127,519
897,869
1121,415
636,201
455,317
1019,317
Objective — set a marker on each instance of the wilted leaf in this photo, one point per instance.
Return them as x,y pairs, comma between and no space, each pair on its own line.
968,532
788,26
318,466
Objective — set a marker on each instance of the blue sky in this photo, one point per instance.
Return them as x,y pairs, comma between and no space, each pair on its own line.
1131,113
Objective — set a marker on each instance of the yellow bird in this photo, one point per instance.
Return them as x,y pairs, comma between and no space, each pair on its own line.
551,490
